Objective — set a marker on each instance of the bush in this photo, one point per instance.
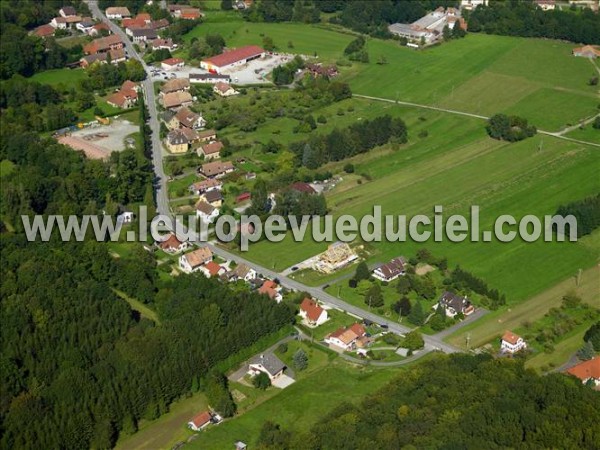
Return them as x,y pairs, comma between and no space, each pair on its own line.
261,381
282,348
349,168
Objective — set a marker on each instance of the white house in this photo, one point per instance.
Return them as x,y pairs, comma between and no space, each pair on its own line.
312,314
67,11
117,12
224,89
346,338
587,370
266,363
206,212
126,217
212,269
85,26
172,244
172,64
512,343
472,4
59,23
242,272
390,271
192,261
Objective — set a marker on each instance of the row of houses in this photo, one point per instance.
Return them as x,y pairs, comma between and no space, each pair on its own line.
429,28
68,19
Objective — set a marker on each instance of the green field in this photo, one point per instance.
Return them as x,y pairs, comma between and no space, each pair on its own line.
306,39
484,74
494,324
457,166
588,134
300,405
58,76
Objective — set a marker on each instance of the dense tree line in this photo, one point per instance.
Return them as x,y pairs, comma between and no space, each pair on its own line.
357,138
355,51
457,401
509,128
587,213
84,368
524,18
462,280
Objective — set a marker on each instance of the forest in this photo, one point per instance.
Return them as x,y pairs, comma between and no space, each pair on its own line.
587,213
458,401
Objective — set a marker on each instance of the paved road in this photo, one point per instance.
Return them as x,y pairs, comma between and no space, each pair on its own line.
161,193
558,134
478,314
162,201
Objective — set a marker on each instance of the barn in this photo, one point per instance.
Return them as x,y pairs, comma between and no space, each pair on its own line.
232,58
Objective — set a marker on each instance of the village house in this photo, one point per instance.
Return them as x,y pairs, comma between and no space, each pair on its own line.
232,58
177,142
86,25
116,56
511,343
242,272
200,421
587,51
212,269
163,44
216,169
207,135
209,78
160,24
266,363
100,27
213,198
454,304
346,339
172,64
587,370
143,35
312,314
67,11
175,85
103,45
224,89
303,188
44,31
319,70
117,13
186,118
142,20
205,186
171,244
390,271
191,262
211,150
206,212
176,100
191,135
185,12
272,290
125,97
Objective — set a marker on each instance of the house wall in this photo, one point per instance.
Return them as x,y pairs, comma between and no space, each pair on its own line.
179,148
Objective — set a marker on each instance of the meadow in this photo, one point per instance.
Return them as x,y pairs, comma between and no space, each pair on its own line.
59,76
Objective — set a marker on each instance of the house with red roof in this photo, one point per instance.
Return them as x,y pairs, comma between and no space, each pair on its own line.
587,370
312,314
172,64
272,290
224,89
44,31
200,421
303,188
232,58
103,45
512,343
171,244
211,150
212,269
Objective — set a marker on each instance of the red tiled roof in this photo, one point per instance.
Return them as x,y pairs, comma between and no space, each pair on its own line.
510,337
172,61
118,99
358,329
313,311
201,419
587,369
170,242
301,186
232,56
44,30
213,268
212,148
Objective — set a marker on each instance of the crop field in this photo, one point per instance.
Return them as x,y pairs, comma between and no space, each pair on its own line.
482,74
457,166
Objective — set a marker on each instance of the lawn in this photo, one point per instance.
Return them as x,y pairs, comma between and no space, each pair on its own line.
168,429
179,186
300,405
58,76
337,319
307,39
588,134
484,74
494,324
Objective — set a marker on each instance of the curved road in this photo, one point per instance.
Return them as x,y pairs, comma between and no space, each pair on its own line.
162,203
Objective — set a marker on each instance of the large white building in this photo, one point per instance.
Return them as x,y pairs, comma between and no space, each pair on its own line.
429,28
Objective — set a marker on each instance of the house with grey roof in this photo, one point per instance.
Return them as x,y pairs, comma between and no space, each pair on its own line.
267,363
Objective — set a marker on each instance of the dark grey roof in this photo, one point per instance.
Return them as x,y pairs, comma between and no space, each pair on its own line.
213,196
270,362
167,115
454,301
148,32
209,76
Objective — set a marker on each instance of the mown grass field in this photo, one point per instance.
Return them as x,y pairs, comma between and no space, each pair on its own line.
456,166
300,405
311,40
483,74
57,76
494,324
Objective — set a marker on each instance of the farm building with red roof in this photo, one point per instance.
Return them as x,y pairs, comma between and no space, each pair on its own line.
232,58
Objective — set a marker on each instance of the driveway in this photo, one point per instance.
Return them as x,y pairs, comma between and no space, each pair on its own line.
283,381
